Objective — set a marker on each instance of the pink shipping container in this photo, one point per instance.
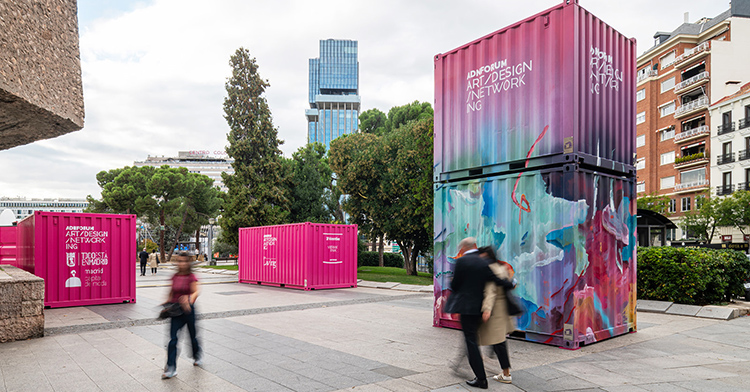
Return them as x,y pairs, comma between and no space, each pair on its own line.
305,256
555,88
8,242
84,259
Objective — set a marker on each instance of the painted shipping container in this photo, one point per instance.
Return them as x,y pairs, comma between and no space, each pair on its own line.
305,256
558,87
84,259
570,235
8,245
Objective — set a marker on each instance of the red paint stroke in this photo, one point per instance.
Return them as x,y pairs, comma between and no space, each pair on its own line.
570,315
567,298
561,288
548,341
527,208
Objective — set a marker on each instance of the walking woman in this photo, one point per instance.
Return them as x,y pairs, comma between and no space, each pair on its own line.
184,292
497,323
153,262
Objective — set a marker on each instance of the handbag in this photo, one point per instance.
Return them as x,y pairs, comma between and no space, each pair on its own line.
514,308
169,310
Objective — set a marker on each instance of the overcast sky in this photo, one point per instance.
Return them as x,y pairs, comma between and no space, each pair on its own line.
154,71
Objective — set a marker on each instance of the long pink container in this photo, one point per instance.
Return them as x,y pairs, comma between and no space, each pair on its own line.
8,242
84,259
555,88
305,256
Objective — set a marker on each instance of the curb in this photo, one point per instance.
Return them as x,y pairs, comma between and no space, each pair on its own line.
710,311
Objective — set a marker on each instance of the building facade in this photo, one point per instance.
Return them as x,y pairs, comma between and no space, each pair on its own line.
23,207
678,79
333,92
201,162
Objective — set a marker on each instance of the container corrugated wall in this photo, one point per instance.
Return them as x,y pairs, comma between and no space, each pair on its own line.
303,255
555,88
571,242
8,243
84,259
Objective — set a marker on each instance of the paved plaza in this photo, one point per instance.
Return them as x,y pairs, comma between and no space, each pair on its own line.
259,338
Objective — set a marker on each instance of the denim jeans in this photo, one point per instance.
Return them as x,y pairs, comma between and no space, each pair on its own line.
176,324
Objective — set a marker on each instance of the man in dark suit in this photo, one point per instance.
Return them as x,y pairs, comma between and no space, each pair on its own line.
469,277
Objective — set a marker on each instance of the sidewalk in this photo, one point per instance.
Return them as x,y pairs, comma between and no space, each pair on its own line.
261,338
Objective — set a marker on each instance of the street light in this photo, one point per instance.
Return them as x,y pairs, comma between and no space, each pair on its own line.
210,241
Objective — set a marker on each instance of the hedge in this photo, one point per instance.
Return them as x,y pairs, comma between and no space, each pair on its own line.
691,276
372,259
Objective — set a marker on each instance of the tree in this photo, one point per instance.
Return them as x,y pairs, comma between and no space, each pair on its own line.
400,115
704,220
654,202
372,121
256,195
309,178
735,211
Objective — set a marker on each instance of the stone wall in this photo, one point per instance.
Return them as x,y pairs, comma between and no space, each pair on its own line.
41,95
21,304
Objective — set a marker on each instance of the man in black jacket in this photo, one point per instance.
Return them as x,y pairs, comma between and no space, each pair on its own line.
469,277
143,256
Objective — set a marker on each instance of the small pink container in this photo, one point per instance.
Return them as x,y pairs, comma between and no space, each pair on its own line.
84,259
305,256
8,242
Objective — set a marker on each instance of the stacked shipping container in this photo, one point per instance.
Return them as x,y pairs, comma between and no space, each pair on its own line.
534,150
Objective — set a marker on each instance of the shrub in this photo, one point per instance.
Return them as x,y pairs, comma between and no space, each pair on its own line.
691,276
371,259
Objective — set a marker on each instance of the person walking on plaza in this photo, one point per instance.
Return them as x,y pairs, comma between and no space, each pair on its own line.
469,278
143,256
153,262
184,292
497,323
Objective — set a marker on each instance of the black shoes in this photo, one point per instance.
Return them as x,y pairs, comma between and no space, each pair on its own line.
482,384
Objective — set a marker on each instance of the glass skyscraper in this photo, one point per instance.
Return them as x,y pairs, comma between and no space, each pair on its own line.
334,92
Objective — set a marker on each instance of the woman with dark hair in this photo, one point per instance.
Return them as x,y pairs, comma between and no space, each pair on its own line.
184,292
497,323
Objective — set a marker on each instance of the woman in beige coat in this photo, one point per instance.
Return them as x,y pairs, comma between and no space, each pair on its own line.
497,323
153,262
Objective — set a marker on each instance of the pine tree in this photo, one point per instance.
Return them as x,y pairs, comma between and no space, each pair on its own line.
256,195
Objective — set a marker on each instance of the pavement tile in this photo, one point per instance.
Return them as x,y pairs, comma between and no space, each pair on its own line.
652,306
623,388
394,371
663,387
718,312
683,310
401,385
711,385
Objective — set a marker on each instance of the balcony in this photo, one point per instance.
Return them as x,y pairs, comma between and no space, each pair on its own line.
649,73
691,186
723,190
743,186
691,134
696,80
695,53
745,123
725,128
690,160
691,107
724,159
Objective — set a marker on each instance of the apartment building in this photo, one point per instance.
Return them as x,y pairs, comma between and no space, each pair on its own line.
678,79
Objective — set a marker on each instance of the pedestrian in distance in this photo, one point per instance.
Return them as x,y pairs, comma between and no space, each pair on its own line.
143,256
497,323
153,262
469,277
184,291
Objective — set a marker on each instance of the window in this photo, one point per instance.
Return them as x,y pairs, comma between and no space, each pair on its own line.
640,164
726,148
671,233
726,179
667,182
667,158
686,204
667,134
667,60
640,95
641,187
640,141
667,109
672,205
692,176
640,118
667,84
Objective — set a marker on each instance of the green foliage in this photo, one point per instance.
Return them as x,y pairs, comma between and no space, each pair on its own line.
150,246
689,158
704,219
401,115
225,249
391,274
257,195
735,210
691,276
654,202
309,178
372,259
372,121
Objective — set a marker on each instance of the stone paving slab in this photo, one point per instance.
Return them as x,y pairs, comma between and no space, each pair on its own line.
718,312
644,305
683,310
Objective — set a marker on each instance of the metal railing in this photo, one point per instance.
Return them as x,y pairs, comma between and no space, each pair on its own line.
695,79
691,52
744,122
743,186
725,158
649,73
725,128
722,190
685,134
742,155
692,105
689,185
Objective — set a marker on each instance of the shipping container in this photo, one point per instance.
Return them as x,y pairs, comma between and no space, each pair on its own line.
305,256
84,259
8,245
570,235
556,88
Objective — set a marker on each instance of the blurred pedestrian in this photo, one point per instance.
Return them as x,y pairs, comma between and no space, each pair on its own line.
184,291
143,256
497,322
153,262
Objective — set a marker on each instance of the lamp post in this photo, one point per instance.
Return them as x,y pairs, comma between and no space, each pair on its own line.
209,242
